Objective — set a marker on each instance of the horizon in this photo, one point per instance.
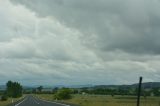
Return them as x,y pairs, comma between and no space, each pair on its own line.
85,85
59,42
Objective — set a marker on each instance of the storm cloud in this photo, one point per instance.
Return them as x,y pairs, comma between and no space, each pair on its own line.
135,22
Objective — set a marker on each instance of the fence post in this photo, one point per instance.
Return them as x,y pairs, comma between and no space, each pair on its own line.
139,91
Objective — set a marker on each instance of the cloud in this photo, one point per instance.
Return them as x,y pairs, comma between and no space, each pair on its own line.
135,22
79,42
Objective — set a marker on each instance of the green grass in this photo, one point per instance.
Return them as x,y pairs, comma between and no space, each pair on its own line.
100,100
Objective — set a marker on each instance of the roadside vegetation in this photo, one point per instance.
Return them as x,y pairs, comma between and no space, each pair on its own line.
14,89
9,101
63,94
12,93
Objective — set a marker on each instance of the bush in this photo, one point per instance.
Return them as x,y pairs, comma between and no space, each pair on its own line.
4,98
63,94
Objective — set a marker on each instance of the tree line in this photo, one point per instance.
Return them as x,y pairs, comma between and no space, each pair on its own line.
119,91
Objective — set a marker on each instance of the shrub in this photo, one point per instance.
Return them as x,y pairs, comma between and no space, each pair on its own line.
4,98
63,94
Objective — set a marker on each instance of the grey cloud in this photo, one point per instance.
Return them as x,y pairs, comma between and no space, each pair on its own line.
130,26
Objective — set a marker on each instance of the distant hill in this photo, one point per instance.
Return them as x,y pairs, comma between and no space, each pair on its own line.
2,87
59,86
146,85
79,86
149,85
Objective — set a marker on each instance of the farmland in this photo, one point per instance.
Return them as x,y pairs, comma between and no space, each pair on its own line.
104,100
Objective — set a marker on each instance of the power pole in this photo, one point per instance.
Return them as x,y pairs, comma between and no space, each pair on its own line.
139,91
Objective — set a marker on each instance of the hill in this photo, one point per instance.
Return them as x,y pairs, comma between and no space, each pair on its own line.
146,85
2,87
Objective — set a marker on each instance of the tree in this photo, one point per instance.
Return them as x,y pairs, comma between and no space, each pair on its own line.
156,91
55,90
9,88
62,94
40,88
14,89
34,90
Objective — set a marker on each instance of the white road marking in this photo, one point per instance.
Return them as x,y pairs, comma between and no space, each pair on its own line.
20,102
55,102
35,100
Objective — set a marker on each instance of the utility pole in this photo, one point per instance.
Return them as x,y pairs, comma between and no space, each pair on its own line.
139,91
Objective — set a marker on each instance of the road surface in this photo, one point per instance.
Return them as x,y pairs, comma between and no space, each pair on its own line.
32,101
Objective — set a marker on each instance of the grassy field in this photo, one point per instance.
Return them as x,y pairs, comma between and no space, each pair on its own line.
9,101
99,100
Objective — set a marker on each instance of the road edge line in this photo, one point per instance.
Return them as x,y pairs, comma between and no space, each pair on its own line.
20,102
52,102
55,102
35,100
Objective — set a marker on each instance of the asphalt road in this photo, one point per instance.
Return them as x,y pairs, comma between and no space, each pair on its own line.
32,101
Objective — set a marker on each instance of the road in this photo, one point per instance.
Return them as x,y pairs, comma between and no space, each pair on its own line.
32,101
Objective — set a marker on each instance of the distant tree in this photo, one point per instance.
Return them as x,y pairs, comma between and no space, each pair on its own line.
34,90
55,90
75,91
112,95
62,94
40,88
156,91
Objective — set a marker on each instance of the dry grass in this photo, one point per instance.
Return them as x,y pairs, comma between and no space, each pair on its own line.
9,101
99,100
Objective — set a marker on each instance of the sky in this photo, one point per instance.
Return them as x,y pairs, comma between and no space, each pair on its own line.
78,42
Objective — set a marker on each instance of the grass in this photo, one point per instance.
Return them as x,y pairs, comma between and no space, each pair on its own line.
9,101
100,100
